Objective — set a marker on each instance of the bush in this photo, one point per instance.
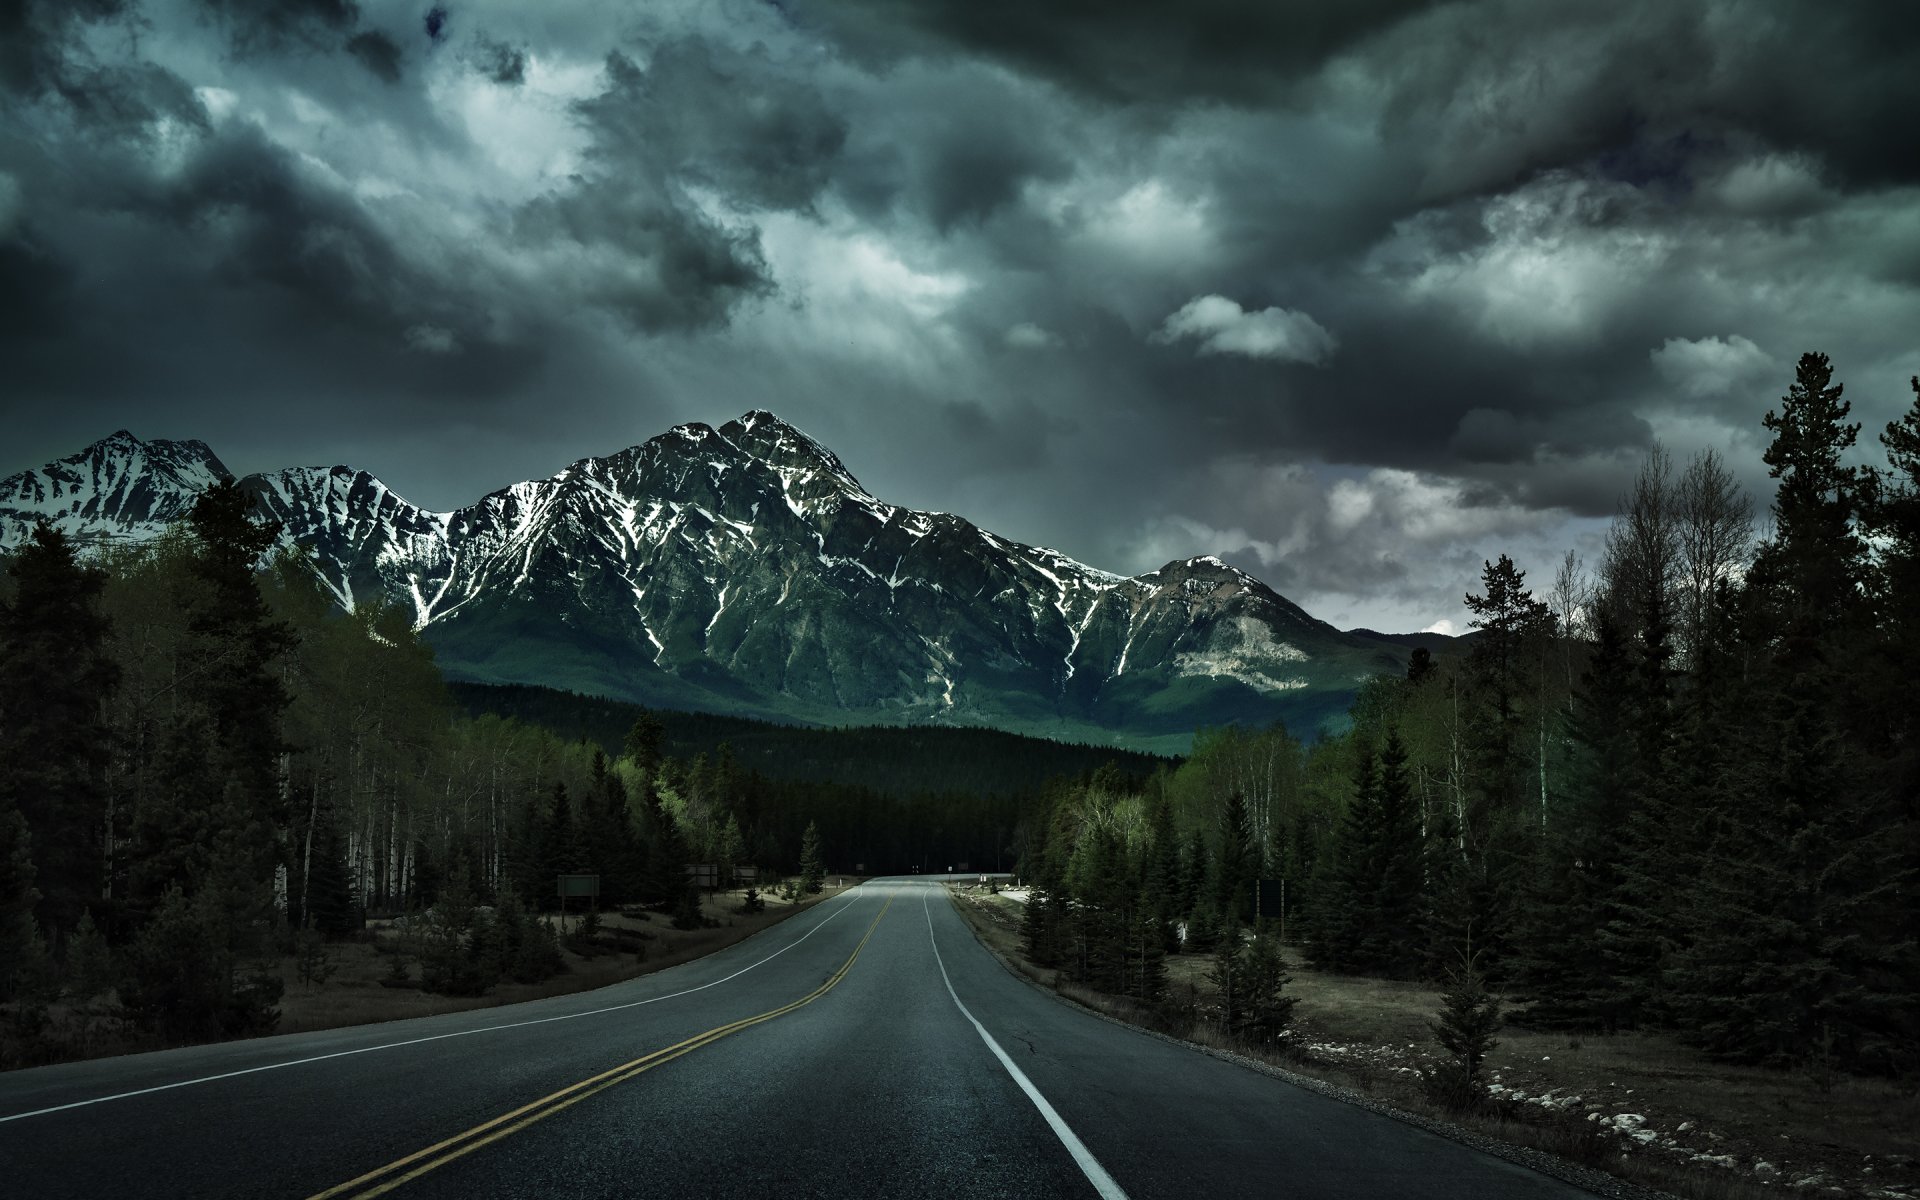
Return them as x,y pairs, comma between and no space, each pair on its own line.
752,903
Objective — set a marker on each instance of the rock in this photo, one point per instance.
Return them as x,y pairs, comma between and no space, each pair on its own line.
1766,1170
1685,1126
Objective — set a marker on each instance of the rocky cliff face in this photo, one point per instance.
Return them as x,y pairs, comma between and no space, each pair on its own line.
744,569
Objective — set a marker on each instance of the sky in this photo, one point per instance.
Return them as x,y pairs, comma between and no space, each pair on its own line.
1355,294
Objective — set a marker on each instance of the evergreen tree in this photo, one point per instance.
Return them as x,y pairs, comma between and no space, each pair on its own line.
1399,941
21,949
56,677
1228,974
234,645
1468,1019
1577,870
566,852
1801,934
1345,921
1239,861
812,871
1160,881
1265,1008
1508,617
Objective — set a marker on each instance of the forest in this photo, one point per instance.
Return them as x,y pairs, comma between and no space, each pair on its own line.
205,766
1677,791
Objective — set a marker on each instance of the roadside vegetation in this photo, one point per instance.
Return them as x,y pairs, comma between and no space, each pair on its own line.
1671,802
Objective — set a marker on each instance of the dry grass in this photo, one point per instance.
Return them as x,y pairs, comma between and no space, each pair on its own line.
1859,1136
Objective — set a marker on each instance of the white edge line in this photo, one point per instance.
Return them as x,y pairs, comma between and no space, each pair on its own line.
1089,1165
438,1037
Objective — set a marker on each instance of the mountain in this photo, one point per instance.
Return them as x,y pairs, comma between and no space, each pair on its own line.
745,570
119,488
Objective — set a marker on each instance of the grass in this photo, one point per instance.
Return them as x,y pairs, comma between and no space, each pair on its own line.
1857,1136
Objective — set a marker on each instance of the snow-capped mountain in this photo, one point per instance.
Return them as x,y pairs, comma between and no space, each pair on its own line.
745,569
119,488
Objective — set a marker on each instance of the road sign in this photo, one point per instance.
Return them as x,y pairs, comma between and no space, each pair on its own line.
579,885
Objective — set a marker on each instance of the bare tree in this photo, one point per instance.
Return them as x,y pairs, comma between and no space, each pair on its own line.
1643,547
1716,540
1570,601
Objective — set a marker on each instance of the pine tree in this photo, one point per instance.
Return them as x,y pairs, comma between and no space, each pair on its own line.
1265,1008
235,643
56,677
1801,934
1344,924
1397,892
22,952
1577,870
812,872
1465,1027
1239,861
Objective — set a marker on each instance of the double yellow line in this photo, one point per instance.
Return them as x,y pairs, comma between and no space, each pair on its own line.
505,1125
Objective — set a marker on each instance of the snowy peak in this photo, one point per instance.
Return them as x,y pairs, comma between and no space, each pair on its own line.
744,569
785,448
119,487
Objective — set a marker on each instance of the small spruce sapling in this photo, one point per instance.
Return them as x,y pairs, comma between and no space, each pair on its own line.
1465,1028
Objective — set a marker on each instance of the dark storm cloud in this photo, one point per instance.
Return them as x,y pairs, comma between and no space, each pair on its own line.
37,37
1125,50
505,65
378,53
718,117
271,26
956,147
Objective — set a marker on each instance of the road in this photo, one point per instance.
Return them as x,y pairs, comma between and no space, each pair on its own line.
869,1047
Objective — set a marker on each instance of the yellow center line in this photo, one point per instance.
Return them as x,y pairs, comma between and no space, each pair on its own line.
513,1122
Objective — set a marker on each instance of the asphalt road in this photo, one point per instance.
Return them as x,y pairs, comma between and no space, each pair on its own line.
867,1048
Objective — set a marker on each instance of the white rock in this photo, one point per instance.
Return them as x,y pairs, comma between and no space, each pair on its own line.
1765,1169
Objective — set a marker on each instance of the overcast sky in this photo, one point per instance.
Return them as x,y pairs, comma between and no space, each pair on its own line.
1354,294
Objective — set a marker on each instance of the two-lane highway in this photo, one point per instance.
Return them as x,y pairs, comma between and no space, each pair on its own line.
869,1047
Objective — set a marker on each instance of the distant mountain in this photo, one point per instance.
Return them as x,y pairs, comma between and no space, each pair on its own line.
119,488
745,570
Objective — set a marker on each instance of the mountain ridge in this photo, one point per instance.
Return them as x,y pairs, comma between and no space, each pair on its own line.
745,569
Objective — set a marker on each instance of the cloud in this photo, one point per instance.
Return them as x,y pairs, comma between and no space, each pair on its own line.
1710,366
432,339
378,53
504,64
1221,326
1028,336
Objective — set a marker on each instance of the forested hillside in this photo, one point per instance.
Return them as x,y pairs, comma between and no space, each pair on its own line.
1678,793
894,760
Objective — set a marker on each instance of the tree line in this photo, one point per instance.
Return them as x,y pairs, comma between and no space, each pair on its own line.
1676,793
205,765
